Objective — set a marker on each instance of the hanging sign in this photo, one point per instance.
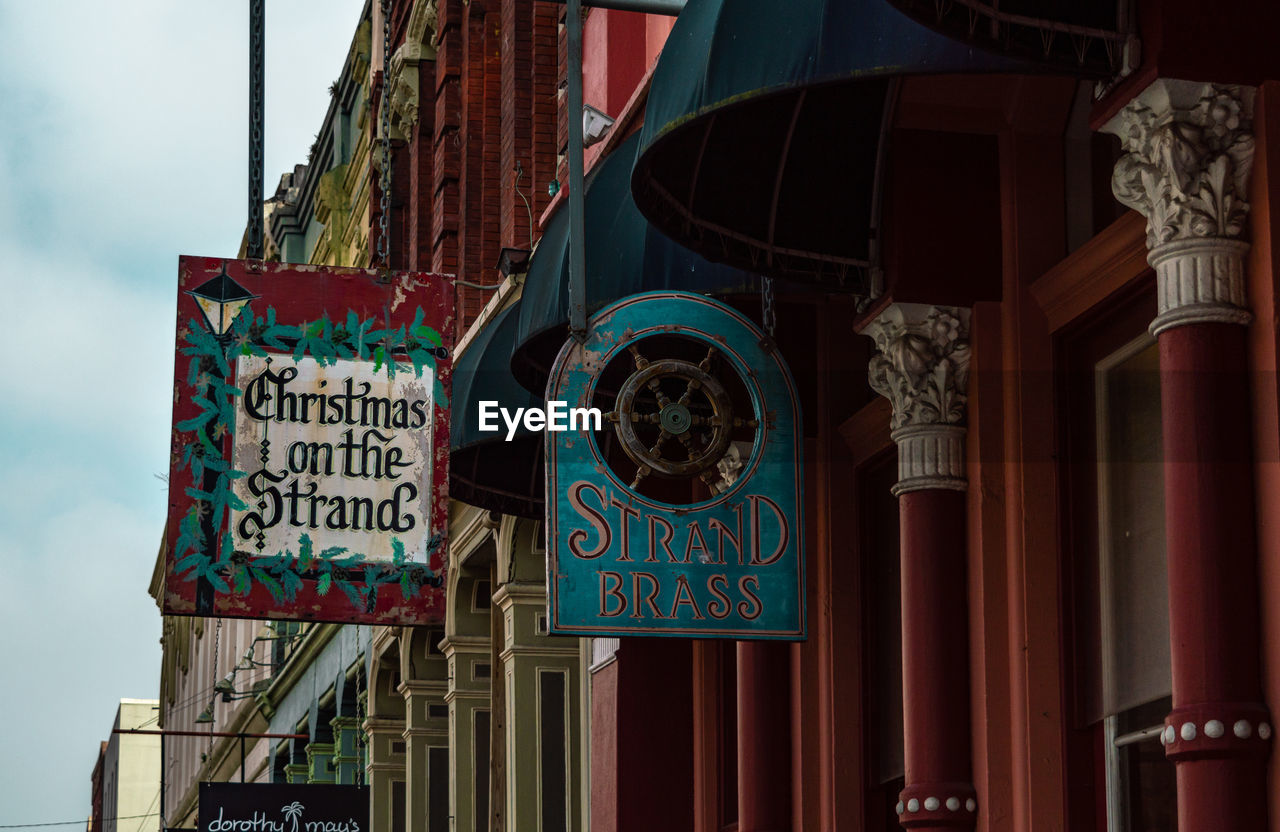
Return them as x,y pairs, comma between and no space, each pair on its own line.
279,807
683,515
310,447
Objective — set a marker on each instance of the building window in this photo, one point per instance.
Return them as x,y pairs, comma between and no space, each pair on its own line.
438,789
1116,577
482,596
397,806
1134,682
553,750
480,775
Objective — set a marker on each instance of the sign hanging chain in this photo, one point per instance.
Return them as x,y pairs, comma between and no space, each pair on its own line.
768,315
257,50
384,252
217,636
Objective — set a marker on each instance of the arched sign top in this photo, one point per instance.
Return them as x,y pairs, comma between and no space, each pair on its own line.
683,514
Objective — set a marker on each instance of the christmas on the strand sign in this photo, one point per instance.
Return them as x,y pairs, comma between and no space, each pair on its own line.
310,448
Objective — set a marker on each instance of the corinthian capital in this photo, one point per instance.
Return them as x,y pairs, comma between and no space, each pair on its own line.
922,362
922,368
1188,154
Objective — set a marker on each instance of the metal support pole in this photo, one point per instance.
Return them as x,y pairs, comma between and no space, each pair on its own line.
164,822
577,215
242,758
166,732
257,53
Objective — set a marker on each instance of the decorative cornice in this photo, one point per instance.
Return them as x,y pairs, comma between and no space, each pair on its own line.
1188,155
525,593
922,363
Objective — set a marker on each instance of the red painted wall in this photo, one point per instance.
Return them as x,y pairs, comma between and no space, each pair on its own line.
642,720
1264,357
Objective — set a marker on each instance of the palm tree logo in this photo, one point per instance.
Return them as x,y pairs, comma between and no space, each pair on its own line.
292,812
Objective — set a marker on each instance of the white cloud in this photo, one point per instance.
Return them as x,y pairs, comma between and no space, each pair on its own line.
87,351
82,630
134,127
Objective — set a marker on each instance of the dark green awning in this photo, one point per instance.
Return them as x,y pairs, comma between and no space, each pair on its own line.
484,469
765,129
625,256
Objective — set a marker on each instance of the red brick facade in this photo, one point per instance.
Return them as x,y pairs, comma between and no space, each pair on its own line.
482,144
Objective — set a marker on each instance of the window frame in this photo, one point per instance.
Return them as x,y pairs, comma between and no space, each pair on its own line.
1111,333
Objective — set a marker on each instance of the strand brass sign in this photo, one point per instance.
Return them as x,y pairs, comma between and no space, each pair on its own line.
309,462
683,515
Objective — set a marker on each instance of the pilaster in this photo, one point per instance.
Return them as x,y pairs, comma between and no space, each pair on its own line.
386,765
467,697
426,726
347,753
534,668
320,763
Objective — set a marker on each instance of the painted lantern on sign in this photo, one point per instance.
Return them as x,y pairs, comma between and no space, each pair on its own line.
683,515
310,450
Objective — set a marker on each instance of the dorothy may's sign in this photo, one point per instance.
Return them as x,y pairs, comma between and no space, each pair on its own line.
279,807
622,558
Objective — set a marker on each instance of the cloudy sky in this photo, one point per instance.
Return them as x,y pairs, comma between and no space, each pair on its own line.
122,145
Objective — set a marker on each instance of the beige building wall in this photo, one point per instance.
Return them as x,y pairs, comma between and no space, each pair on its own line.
131,771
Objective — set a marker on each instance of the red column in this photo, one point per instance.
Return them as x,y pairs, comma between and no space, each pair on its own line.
1217,733
1188,155
939,792
764,737
922,367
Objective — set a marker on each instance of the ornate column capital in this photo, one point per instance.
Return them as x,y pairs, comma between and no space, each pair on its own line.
1188,154
404,87
922,368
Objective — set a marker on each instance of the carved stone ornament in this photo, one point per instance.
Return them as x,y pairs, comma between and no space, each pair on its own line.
1188,155
404,89
922,368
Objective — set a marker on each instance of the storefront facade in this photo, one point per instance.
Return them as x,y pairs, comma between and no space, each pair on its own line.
1028,302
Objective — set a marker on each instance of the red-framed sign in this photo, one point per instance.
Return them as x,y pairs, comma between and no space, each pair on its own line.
309,464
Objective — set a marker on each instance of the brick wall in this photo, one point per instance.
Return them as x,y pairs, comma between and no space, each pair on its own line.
487,102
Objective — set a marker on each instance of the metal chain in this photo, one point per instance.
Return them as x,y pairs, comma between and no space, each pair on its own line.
384,253
361,740
768,315
217,637
253,243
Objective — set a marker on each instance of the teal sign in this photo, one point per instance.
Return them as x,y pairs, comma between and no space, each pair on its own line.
682,515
